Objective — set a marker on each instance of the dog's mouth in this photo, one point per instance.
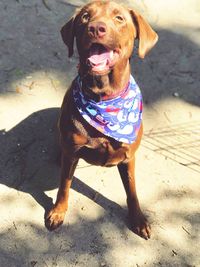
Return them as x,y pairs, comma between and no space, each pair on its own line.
101,59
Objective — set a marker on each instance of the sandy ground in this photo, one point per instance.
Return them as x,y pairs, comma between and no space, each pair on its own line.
35,73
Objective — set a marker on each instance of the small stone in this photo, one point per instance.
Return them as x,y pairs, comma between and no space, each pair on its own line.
176,94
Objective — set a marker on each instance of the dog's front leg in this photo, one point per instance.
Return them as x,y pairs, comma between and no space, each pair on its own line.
138,221
56,215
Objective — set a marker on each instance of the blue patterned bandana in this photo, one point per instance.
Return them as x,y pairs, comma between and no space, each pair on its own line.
119,118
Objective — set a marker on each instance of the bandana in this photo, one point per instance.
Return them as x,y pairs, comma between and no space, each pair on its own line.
119,118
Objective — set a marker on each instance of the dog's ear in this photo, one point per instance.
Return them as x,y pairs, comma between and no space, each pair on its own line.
68,35
145,34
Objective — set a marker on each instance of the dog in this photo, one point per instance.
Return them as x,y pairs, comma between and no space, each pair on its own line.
101,114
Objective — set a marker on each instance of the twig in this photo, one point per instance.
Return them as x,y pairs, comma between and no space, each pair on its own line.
68,4
54,86
186,230
46,5
166,116
174,252
15,225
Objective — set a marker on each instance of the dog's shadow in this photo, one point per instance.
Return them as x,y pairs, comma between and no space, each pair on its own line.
30,161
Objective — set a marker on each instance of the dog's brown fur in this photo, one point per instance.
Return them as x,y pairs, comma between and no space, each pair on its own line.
121,27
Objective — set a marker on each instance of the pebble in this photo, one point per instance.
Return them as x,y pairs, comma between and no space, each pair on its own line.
176,94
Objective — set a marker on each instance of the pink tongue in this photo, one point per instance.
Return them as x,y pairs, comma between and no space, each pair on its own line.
98,59
98,55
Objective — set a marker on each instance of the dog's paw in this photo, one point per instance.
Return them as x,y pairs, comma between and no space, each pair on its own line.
53,219
140,225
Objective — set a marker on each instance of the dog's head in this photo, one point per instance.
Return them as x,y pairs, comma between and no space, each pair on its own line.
105,32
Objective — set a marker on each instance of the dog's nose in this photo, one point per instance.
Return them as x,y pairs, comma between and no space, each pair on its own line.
97,29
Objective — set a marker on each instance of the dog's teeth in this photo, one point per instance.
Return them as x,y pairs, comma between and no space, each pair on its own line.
104,63
111,54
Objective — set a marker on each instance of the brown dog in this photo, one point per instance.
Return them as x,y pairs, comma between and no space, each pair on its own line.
105,33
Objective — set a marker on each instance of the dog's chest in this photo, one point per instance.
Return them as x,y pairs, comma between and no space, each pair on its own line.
95,147
100,151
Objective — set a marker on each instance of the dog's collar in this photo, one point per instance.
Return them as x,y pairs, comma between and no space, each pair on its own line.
115,95
119,118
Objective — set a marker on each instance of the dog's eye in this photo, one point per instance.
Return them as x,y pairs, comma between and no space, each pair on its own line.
119,18
85,17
